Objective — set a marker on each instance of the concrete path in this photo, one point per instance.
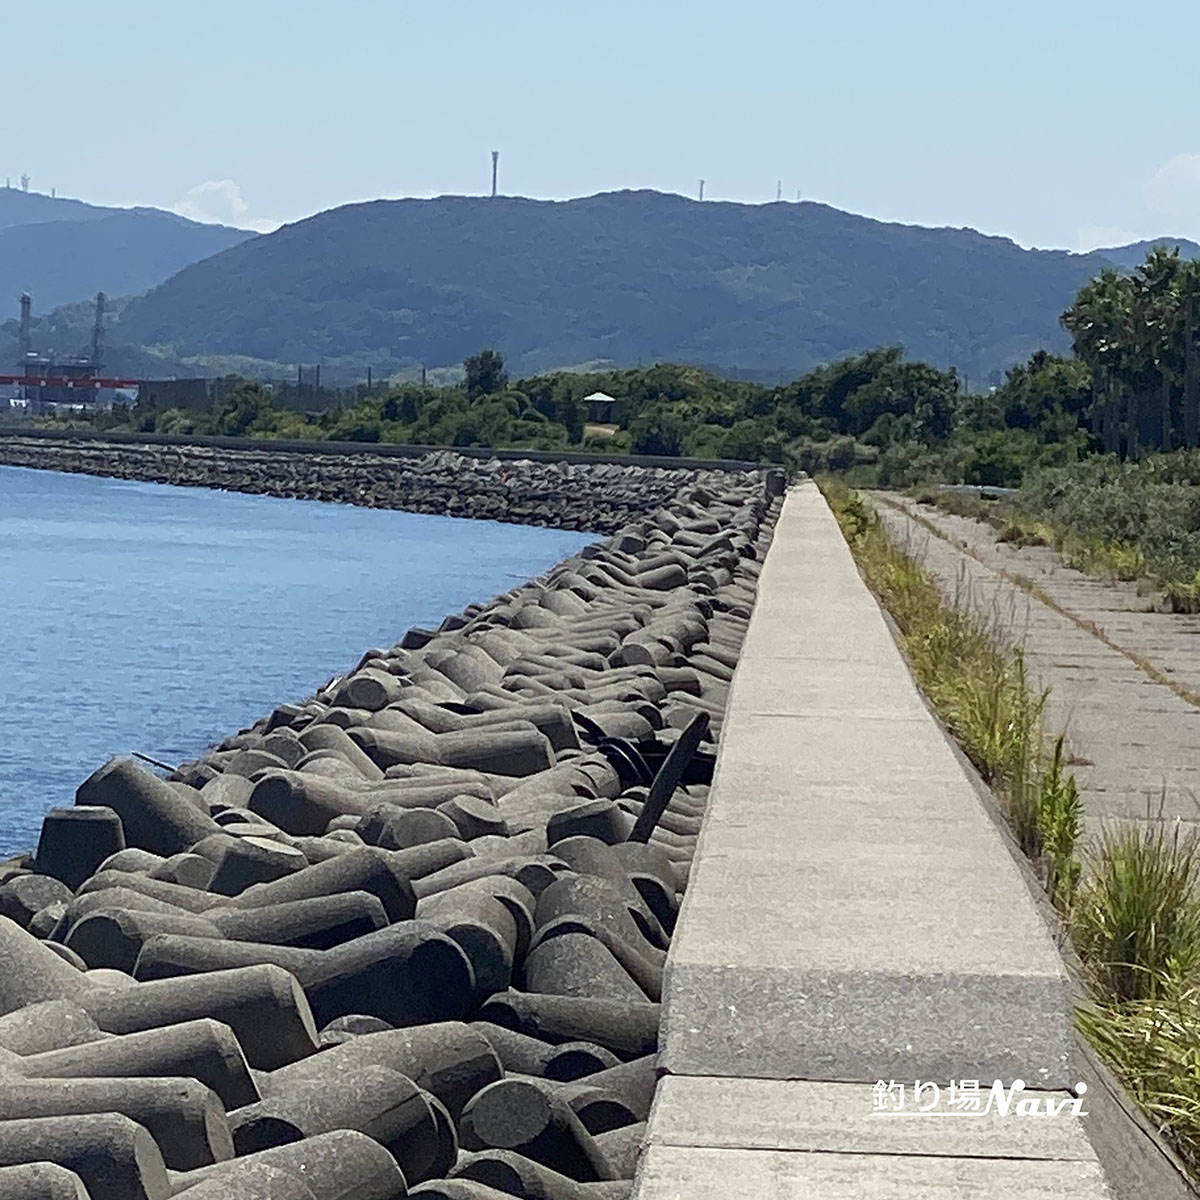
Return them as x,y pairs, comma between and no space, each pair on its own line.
1109,665
853,918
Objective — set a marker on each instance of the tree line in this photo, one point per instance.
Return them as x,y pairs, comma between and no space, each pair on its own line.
1139,336
877,411
1132,384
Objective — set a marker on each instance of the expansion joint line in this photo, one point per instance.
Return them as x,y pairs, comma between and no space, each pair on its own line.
1025,584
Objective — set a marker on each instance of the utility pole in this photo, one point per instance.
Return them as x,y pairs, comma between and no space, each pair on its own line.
368,381
702,189
25,341
779,191
98,333
495,171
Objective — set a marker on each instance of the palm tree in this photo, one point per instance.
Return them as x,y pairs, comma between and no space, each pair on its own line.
1190,330
1101,325
1157,285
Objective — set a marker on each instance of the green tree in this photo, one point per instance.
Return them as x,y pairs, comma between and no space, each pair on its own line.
1048,395
1100,323
486,373
1160,280
659,431
246,409
1137,333
1190,331
404,403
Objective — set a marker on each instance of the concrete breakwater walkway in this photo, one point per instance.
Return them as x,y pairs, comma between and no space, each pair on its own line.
566,491
1124,683
853,918
411,928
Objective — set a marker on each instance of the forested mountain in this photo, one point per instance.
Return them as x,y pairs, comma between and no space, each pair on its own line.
623,278
62,251
619,279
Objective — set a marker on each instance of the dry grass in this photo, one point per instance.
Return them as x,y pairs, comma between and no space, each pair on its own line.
600,431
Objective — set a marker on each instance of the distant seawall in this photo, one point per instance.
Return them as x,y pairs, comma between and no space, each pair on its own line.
564,490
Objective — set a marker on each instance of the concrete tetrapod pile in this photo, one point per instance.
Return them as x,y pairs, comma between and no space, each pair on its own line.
407,937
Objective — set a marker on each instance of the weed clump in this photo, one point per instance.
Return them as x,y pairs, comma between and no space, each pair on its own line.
1152,1045
1137,918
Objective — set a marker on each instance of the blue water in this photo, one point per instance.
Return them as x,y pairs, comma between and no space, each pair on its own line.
142,617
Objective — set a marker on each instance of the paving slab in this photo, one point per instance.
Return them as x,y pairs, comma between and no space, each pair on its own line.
1135,743
689,1173
842,1118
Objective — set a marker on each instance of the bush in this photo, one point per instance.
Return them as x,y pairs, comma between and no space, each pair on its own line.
357,429
660,432
996,459
906,464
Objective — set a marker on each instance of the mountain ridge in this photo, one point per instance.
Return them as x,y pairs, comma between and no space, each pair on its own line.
1127,257
630,277
62,250
626,278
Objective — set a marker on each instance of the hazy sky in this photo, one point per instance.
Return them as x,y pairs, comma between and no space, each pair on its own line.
1055,122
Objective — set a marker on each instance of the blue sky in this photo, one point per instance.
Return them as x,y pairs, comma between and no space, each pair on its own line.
1056,123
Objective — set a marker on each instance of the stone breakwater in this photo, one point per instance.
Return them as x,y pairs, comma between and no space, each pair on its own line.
406,937
595,497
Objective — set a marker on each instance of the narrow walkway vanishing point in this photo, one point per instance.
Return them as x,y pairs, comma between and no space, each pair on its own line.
1124,683
853,916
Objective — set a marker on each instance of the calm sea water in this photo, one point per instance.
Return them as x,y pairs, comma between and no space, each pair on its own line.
142,617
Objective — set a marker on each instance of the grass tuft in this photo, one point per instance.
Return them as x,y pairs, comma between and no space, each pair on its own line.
1136,921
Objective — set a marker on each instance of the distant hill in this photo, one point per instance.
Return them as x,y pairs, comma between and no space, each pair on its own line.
627,277
64,250
31,208
624,278
1128,257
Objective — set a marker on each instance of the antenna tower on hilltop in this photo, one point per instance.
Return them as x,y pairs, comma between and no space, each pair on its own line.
702,189
24,183
495,171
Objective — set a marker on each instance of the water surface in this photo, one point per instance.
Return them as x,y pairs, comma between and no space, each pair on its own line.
144,617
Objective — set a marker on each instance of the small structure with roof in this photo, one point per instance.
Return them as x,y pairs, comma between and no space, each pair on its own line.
601,408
